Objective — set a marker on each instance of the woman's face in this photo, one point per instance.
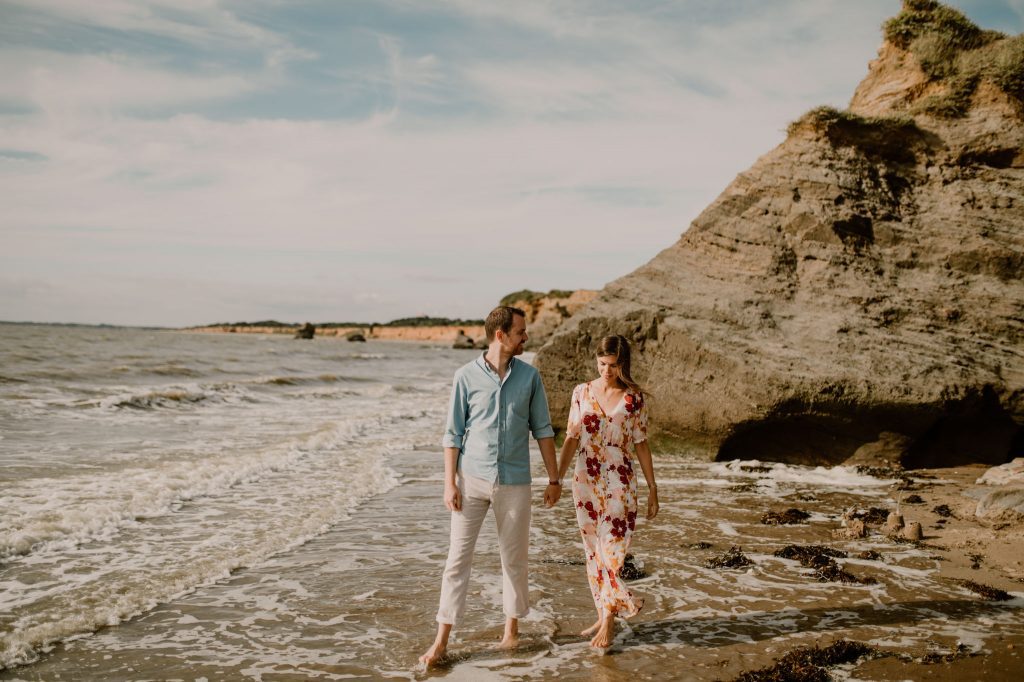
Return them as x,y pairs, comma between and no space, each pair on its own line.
608,368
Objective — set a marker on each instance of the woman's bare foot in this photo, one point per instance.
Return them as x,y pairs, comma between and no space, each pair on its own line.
605,633
592,629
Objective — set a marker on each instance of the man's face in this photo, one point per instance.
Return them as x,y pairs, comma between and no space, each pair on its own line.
515,341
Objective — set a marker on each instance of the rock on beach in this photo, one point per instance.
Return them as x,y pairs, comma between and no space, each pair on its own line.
858,290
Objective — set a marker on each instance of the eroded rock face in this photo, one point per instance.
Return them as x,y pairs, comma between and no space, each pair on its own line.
862,278
546,312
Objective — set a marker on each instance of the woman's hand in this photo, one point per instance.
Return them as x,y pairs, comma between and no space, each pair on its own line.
652,503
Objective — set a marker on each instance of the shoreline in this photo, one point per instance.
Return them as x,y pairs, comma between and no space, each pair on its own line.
440,334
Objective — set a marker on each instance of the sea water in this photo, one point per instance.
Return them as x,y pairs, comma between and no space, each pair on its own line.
245,507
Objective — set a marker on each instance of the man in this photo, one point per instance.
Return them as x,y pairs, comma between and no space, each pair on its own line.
496,402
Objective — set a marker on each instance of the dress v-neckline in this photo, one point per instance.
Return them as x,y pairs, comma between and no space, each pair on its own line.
597,400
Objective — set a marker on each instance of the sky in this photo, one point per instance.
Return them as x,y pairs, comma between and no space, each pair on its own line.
183,162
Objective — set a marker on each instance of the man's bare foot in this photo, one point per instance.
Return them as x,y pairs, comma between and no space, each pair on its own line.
605,633
509,642
592,629
434,654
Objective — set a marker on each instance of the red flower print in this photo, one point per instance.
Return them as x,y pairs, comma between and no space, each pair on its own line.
592,422
593,467
631,520
618,528
633,402
589,506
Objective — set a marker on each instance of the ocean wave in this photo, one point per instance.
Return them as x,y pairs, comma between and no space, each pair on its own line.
303,379
774,472
12,380
61,513
172,569
172,371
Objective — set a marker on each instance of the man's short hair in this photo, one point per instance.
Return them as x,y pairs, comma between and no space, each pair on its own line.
501,318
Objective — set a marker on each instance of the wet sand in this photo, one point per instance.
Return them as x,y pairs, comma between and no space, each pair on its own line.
358,601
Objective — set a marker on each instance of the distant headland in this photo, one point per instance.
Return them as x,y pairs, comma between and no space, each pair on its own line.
545,311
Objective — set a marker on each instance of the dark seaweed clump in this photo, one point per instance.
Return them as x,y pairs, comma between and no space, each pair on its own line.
701,545
874,516
630,571
807,664
753,469
985,591
943,510
734,558
567,562
879,472
786,518
869,555
822,560
914,499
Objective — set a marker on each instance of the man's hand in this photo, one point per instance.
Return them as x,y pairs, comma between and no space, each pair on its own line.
551,494
452,497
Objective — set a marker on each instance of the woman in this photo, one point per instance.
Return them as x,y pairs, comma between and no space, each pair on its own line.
607,428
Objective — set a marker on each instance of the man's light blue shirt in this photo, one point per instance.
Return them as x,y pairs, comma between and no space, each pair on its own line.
490,420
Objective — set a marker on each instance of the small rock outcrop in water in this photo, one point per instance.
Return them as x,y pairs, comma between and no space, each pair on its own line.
862,278
356,337
307,331
462,341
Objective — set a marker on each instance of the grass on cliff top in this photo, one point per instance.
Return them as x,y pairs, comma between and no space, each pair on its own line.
880,137
952,49
531,296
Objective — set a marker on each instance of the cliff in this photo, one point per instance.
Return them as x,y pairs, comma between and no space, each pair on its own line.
546,312
858,290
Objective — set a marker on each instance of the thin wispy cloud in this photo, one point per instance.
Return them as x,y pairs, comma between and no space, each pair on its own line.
179,163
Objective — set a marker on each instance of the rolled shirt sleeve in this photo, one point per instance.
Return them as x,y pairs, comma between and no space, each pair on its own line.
540,416
458,408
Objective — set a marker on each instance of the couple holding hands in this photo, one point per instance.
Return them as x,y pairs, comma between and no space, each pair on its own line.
497,401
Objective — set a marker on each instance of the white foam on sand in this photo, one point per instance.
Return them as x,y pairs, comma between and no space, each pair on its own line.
102,550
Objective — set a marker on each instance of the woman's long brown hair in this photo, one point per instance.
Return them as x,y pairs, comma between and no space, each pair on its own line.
618,347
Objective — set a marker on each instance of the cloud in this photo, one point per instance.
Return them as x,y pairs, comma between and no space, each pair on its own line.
496,146
63,85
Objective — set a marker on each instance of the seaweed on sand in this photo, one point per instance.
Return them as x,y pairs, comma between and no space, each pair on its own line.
734,558
943,510
822,560
630,571
985,591
808,664
875,516
788,517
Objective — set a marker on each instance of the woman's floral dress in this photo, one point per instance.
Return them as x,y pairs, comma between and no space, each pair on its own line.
604,490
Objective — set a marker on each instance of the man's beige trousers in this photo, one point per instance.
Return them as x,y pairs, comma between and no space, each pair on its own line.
511,505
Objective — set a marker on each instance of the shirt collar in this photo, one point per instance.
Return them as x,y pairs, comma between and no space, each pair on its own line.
485,366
